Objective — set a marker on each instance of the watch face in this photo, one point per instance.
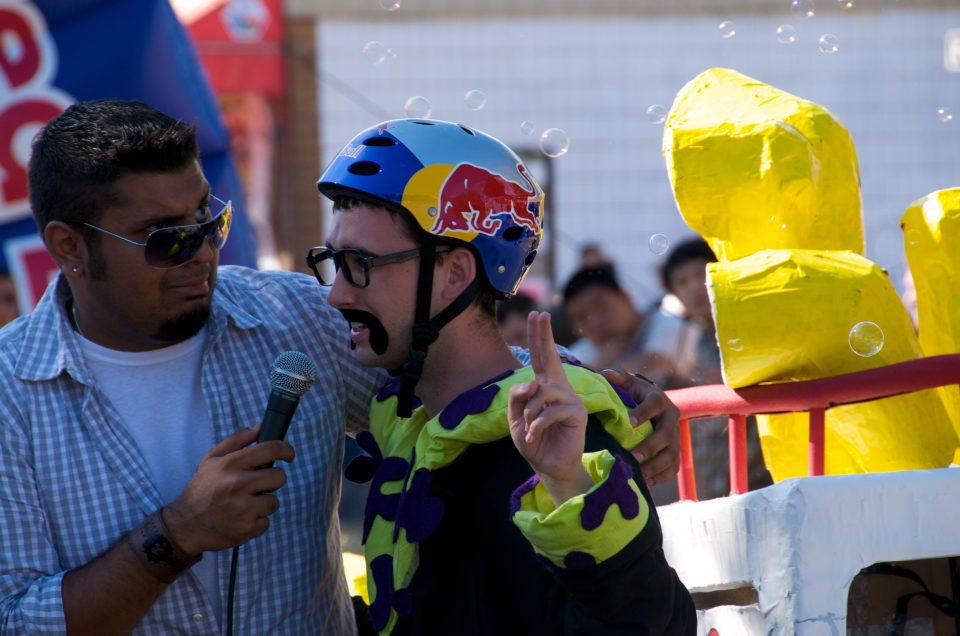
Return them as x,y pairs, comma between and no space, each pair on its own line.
158,549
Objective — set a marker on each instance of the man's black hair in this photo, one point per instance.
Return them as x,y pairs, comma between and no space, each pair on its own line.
80,153
690,250
602,276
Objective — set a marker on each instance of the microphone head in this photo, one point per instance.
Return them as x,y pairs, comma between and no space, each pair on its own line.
293,372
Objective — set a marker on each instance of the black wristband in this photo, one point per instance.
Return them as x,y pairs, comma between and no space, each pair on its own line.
157,551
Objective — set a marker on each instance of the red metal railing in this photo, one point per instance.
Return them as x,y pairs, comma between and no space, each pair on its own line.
811,396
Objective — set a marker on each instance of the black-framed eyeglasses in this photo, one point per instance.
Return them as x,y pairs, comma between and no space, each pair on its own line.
354,263
173,246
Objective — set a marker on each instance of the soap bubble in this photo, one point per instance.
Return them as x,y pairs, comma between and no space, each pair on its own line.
944,114
659,244
727,29
845,4
913,237
656,114
375,52
527,127
866,339
554,142
786,34
390,5
735,344
803,8
418,106
828,44
475,99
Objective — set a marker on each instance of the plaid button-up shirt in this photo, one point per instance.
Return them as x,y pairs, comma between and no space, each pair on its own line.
73,482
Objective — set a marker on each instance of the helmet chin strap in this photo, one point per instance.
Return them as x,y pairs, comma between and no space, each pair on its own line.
425,329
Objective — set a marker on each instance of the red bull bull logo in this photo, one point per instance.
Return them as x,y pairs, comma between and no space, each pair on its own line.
473,199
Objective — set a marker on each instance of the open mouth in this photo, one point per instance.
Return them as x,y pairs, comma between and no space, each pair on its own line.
364,325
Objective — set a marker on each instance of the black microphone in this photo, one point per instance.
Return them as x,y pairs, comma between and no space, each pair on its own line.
292,375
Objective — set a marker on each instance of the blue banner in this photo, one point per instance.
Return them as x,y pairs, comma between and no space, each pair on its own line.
57,52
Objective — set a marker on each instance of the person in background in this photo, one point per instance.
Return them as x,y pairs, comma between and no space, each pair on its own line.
486,515
8,298
592,255
684,275
128,395
512,317
616,333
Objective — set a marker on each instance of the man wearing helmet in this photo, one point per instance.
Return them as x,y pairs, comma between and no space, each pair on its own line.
485,513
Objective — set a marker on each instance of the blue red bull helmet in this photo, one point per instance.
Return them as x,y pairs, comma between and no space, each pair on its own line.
456,182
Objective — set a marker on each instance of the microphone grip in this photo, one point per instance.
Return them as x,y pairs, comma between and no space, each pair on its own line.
276,418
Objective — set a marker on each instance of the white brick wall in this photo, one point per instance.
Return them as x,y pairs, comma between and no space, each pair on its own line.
595,78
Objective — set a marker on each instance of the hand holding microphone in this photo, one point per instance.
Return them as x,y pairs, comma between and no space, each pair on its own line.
228,501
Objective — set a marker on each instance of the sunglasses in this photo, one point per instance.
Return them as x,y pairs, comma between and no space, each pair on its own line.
171,247
355,264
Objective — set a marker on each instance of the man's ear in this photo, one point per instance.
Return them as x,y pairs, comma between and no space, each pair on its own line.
456,270
66,246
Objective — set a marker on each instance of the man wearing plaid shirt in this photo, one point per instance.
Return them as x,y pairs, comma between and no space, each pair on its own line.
126,459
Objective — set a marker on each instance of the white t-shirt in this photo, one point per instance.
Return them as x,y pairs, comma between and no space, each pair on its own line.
158,396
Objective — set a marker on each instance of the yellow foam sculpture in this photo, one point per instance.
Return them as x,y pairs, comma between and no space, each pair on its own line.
931,233
771,182
753,168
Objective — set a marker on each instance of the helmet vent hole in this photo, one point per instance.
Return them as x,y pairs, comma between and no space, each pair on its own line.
467,130
379,141
423,123
364,168
528,261
512,233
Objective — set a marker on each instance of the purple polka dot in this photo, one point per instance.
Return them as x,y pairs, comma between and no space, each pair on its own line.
361,468
520,491
381,571
577,560
418,512
389,390
614,491
378,503
470,403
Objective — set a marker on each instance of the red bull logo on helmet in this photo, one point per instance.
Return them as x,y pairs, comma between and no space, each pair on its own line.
473,199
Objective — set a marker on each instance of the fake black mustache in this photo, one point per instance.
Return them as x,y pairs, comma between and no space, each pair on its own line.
378,335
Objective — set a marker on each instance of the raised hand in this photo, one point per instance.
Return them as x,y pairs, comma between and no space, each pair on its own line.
548,421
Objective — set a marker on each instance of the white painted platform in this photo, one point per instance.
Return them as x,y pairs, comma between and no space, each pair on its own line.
800,543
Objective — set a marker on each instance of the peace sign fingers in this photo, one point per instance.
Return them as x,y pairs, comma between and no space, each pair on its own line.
544,358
